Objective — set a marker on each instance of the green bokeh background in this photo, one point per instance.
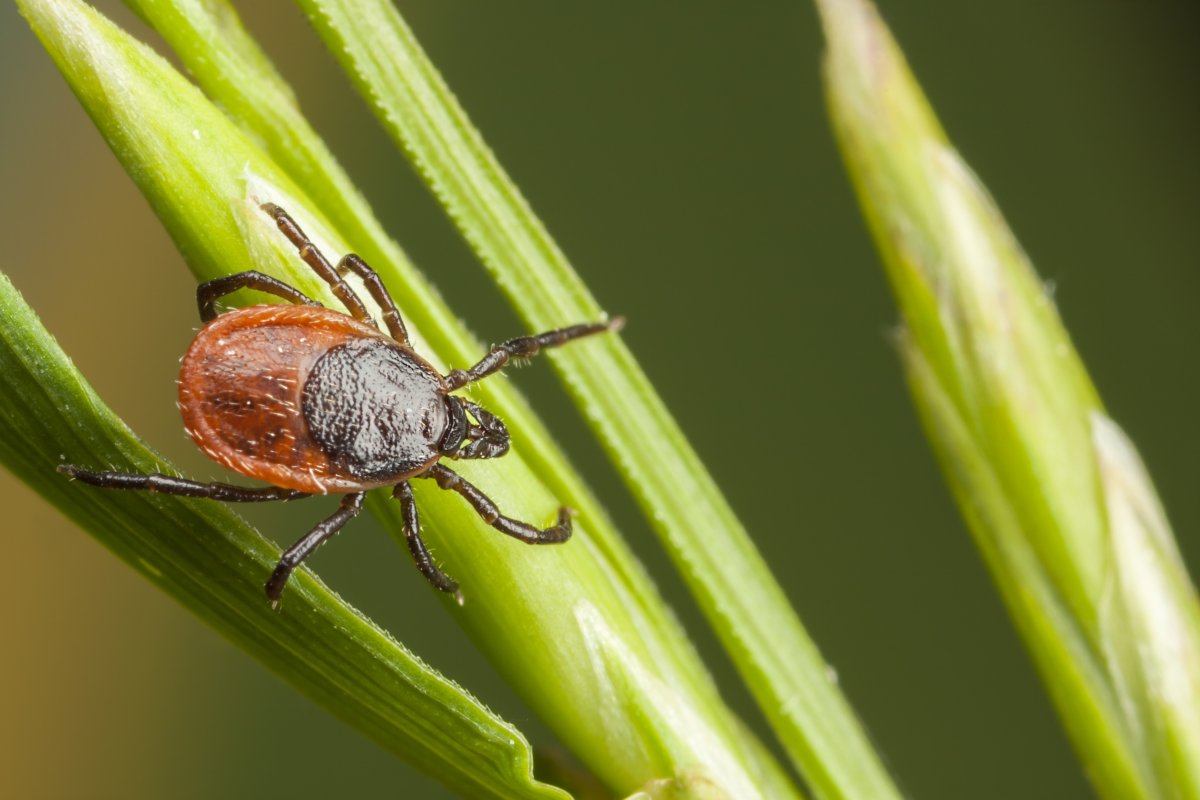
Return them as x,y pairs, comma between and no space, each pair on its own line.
680,154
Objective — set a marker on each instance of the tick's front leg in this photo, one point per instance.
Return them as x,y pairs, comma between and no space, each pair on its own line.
527,347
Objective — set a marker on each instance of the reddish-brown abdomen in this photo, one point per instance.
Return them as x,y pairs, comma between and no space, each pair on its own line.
240,393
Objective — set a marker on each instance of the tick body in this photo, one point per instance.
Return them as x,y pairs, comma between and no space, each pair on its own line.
307,398
313,401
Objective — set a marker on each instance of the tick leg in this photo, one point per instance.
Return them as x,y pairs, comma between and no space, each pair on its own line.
320,265
209,292
412,532
295,555
167,484
526,347
448,479
379,293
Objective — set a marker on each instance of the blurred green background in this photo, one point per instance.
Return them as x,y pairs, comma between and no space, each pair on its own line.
680,154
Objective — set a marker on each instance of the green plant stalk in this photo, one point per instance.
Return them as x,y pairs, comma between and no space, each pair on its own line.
230,67
557,620
212,562
1055,495
734,587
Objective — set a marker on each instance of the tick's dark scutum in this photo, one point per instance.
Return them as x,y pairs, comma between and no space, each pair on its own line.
376,410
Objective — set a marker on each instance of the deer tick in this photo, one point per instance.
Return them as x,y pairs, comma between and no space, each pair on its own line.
314,401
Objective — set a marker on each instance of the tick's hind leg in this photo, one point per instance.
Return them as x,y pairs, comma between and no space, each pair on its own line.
208,293
448,479
324,530
412,532
168,484
526,347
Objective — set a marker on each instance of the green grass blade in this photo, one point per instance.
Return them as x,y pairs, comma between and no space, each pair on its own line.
1055,495
565,624
732,583
213,563
229,65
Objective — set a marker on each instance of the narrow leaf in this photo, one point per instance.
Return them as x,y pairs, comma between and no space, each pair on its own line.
1054,492
735,588
206,180
210,40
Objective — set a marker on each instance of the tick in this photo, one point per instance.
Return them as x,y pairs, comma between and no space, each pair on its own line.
314,401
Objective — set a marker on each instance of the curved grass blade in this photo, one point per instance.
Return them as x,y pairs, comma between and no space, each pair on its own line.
230,67
526,606
1053,491
731,581
213,563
